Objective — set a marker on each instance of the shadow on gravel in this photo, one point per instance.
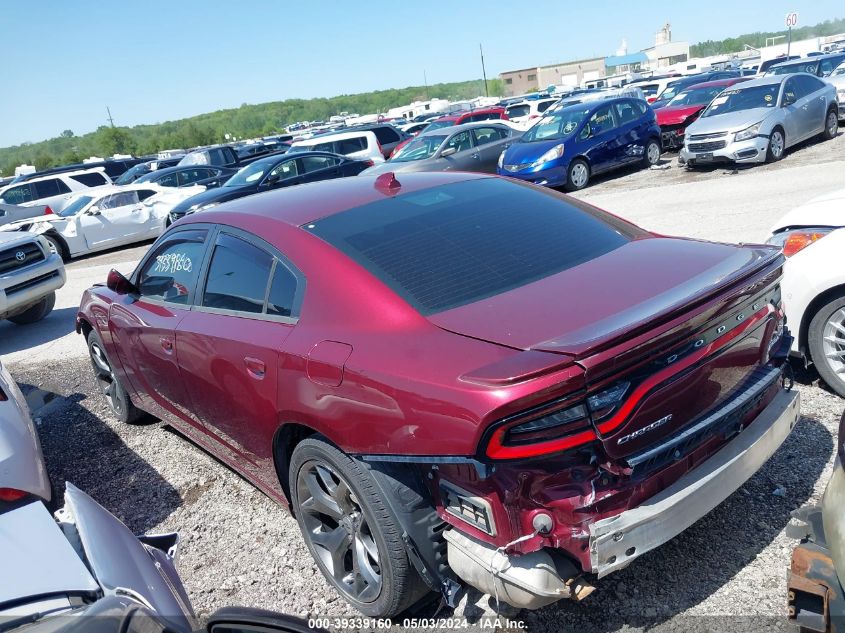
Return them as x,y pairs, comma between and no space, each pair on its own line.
79,447
685,571
809,376
14,338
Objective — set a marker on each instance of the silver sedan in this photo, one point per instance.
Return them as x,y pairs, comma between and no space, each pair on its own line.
756,121
468,147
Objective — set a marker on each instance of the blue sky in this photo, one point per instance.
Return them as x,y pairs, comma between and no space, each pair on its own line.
154,60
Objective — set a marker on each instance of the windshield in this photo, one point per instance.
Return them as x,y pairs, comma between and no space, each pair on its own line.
128,177
75,207
804,67
671,91
249,174
839,70
420,148
737,99
436,125
557,125
696,96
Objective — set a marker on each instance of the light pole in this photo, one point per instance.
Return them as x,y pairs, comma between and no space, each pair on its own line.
483,70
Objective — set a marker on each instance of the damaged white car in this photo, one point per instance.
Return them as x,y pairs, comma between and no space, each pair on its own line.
106,217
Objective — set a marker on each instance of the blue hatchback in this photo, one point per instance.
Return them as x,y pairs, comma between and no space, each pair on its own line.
571,144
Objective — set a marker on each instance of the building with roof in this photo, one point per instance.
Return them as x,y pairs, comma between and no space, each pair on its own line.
536,78
591,72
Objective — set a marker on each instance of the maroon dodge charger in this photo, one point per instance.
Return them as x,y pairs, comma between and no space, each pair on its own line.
454,379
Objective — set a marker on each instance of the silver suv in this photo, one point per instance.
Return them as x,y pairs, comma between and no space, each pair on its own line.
30,274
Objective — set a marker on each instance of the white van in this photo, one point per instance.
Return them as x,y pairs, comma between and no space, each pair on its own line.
362,145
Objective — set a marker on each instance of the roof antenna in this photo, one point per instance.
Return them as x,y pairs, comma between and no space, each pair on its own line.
387,184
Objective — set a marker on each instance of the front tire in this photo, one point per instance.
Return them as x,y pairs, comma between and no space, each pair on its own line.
651,155
578,175
116,395
826,340
349,530
777,146
36,312
831,125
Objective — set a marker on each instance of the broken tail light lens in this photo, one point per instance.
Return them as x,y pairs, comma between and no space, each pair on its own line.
604,403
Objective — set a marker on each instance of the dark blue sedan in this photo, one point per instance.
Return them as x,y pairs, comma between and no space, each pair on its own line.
571,144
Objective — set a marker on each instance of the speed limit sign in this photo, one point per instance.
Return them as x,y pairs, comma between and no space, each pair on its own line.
791,19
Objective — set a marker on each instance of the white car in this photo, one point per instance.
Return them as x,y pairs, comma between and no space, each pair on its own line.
414,127
32,197
105,217
837,78
361,145
813,287
524,113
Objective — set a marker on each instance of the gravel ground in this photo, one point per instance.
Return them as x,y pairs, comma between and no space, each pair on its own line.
727,572
241,548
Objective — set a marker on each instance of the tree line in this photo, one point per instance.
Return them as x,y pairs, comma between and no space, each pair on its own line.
758,40
247,121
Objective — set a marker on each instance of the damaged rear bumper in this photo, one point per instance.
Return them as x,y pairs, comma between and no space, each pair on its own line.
541,577
616,541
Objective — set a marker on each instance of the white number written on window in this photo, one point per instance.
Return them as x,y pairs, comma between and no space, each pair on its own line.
173,262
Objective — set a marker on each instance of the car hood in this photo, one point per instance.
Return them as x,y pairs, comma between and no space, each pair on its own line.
122,563
21,461
528,151
599,302
672,115
10,237
730,121
826,210
218,194
838,81
37,557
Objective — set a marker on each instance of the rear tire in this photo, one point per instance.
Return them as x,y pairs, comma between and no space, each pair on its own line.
578,175
777,146
831,124
36,312
118,399
349,530
651,155
826,340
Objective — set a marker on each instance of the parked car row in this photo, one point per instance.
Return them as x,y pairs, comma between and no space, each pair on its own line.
230,318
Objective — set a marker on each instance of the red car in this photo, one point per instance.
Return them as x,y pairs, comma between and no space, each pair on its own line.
685,107
482,114
454,378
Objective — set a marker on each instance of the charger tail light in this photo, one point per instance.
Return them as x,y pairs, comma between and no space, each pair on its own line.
557,430
48,210
11,494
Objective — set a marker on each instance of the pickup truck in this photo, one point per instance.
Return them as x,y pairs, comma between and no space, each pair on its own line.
30,274
221,156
